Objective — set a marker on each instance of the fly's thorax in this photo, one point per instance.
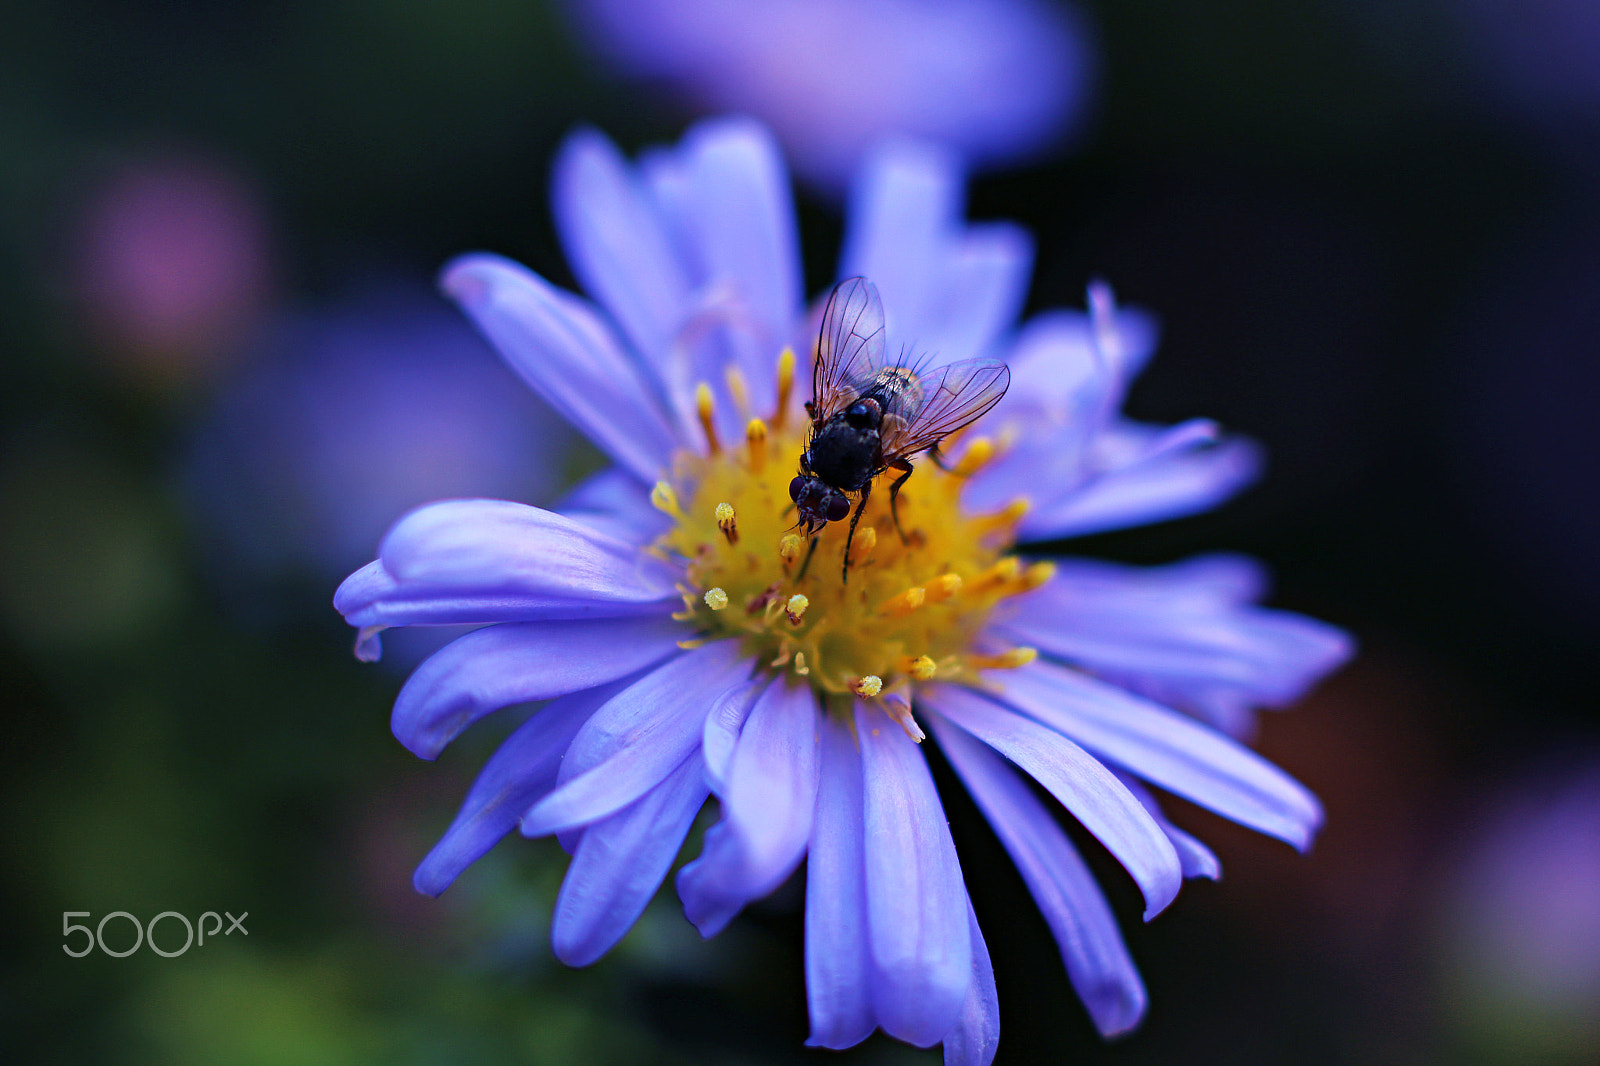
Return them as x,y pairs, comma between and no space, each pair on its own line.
913,609
842,454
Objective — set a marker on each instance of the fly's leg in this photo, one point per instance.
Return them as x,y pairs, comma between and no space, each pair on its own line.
805,565
894,492
866,491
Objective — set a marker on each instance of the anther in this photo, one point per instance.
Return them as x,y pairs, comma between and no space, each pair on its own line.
738,389
1007,516
866,540
726,523
1001,573
903,604
1007,660
796,608
1037,575
789,549
977,455
716,599
900,711
662,498
785,386
704,408
868,686
920,668
943,587
755,435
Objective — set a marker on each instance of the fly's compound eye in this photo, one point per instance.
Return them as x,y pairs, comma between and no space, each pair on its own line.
795,488
838,507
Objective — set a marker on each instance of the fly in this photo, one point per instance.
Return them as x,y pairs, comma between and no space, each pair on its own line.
868,417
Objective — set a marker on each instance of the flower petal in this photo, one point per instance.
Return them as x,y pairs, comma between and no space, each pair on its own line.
371,599
916,902
721,731
640,736
768,801
1182,632
520,551
1170,485
1168,749
948,288
568,355
517,663
1197,859
1081,782
739,217
1086,931
615,503
838,964
521,770
620,864
617,244
976,1035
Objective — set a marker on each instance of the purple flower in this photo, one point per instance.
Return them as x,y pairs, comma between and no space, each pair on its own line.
999,80
347,416
688,651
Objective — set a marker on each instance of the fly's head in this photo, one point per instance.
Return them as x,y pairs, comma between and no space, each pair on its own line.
816,502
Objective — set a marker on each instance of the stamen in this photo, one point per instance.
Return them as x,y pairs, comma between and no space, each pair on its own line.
921,668
1007,516
662,498
705,409
943,587
866,540
762,601
800,666
977,455
726,523
738,389
785,386
903,604
692,644
789,549
796,608
755,435
868,686
1037,575
1001,573
1008,660
716,599
900,711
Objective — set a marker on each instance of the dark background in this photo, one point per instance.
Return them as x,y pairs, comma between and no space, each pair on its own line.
1372,245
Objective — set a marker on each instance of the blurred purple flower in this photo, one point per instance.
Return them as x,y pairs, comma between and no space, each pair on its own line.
998,80
687,653
343,417
1522,918
170,265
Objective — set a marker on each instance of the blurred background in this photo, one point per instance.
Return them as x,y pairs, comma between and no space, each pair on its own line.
1370,228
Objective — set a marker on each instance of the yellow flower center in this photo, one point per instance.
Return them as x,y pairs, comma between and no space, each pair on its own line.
915,599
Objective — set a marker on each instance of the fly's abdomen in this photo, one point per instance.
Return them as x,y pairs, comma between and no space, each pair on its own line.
898,391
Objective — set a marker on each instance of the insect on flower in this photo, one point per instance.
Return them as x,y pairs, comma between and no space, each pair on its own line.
868,416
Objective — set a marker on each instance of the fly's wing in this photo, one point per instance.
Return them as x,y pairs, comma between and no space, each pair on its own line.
849,346
953,396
